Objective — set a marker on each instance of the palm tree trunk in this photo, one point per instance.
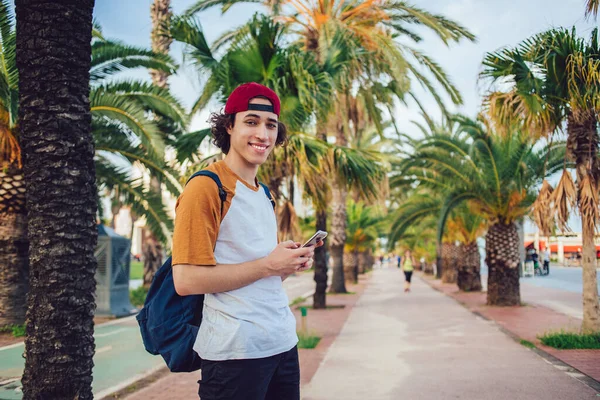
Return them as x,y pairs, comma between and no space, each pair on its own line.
338,237
160,12
449,261
351,267
14,246
320,257
469,267
338,223
362,262
502,259
583,144
53,60
320,264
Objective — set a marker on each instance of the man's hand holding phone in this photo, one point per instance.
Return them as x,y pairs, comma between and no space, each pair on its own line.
288,257
315,241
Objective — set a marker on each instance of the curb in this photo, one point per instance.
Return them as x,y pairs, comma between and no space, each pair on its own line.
549,358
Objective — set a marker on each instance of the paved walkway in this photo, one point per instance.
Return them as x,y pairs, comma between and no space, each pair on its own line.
424,345
532,320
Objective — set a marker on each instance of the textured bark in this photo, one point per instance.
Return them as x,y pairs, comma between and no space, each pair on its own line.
53,59
14,245
502,259
320,265
338,237
153,257
450,262
351,267
338,223
160,12
583,145
152,249
469,267
363,262
320,257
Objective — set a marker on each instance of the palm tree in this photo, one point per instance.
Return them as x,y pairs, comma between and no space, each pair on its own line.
461,262
53,47
14,266
160,13
554,79
127,134
362,230
467,227
496,176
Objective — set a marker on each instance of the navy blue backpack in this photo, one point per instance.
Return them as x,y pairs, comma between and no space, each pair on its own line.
168,322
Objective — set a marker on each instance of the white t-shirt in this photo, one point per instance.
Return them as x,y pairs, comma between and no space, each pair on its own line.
254,321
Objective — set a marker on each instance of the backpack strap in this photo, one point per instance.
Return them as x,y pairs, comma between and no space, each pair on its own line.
214,177
268,193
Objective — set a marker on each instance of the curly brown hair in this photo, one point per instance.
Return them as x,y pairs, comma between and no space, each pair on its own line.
219,122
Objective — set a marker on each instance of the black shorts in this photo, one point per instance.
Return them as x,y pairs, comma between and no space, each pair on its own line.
271,378
408,275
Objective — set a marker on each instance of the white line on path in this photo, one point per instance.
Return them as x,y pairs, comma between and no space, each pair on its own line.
103,349
98,335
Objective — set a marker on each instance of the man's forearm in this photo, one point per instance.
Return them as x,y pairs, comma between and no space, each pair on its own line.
199,279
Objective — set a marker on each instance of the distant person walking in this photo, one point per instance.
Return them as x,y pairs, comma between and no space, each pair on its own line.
408,266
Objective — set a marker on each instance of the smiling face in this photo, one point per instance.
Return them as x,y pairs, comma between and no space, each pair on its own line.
253,136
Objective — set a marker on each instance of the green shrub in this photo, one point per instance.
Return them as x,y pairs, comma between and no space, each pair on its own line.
138,296
571,340
136,270
307,341
527,343
15,330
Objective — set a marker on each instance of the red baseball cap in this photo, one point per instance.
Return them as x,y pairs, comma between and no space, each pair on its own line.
239,99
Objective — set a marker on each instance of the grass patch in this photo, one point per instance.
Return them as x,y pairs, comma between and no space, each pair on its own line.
136,270
297,300
307,340
571,340
138,296
15,330
527,343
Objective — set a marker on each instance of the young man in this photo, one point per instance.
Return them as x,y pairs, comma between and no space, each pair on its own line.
247,339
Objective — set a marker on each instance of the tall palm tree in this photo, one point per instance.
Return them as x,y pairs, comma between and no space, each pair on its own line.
53,47
554,79
497,177
160,13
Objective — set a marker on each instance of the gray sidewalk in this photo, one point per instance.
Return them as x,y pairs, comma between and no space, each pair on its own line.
424,345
